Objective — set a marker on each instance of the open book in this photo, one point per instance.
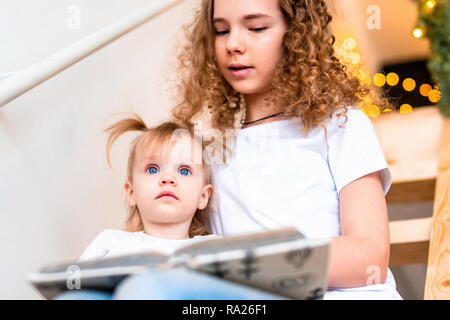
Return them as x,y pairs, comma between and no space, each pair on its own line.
282,261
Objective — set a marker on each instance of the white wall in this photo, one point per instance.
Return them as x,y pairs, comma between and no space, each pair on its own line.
56,190
32,30
393,42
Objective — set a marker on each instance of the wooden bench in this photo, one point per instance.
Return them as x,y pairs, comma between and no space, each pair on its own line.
417,149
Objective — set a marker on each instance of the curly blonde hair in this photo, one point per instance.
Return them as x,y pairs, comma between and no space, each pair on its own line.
309,80
154,139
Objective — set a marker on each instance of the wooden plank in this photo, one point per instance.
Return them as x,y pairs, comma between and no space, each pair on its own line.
409,253
410,230
409,241
411,191
437,283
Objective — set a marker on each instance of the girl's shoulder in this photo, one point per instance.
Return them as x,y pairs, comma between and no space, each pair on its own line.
103,242
349,122
349,115
109,235
117,233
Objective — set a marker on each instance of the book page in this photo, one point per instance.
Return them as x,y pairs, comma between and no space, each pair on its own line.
120,261
101,274
243,242
295,269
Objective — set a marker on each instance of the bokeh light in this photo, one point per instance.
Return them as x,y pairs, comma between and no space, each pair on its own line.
355,58
373,110
425,89
349,44
418,33
392,79
434,95
379,79
406,108
431,4
409,84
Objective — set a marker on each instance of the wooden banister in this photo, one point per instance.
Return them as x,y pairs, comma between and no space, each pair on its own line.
437,283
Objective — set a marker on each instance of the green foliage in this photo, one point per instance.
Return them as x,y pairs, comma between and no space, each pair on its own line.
436,23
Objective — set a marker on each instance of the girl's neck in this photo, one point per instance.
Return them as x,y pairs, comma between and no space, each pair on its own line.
167,231
257,108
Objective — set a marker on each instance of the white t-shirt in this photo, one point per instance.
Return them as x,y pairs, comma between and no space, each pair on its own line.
112,243
279,177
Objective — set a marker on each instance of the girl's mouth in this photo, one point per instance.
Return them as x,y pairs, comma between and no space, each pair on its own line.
241,71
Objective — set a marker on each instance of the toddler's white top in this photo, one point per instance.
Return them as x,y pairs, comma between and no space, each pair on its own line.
280,177
113,243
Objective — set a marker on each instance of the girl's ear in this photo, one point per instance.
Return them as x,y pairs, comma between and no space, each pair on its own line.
206,194
129,191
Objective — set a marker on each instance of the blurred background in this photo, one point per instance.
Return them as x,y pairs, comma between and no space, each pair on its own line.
56,189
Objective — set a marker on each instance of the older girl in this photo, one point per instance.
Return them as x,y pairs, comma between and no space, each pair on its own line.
267,68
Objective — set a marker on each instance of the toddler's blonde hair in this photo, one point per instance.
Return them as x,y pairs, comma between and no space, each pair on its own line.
155,137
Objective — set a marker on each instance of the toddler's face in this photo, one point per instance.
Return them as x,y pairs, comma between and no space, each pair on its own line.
168,186
248,33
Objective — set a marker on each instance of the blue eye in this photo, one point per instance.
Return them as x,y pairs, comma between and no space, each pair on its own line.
152,170
184,172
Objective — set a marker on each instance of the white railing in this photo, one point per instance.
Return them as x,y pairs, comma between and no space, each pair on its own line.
21,82
4,76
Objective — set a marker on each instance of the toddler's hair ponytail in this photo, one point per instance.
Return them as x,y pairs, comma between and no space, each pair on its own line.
134,123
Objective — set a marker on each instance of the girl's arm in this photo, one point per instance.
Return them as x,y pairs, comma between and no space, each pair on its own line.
361,254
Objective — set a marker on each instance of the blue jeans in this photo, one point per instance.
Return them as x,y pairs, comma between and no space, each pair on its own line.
173,284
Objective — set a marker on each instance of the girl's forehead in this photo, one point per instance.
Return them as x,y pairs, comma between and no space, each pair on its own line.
242,9
175,150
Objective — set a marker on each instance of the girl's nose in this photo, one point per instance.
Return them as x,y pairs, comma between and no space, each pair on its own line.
234,44
168,180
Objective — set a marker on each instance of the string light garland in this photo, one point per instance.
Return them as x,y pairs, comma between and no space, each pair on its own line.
434,23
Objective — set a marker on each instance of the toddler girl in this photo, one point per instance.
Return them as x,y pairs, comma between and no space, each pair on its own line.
167,188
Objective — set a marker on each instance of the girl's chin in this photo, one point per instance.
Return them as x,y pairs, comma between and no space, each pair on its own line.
247,90
248,87
170,215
